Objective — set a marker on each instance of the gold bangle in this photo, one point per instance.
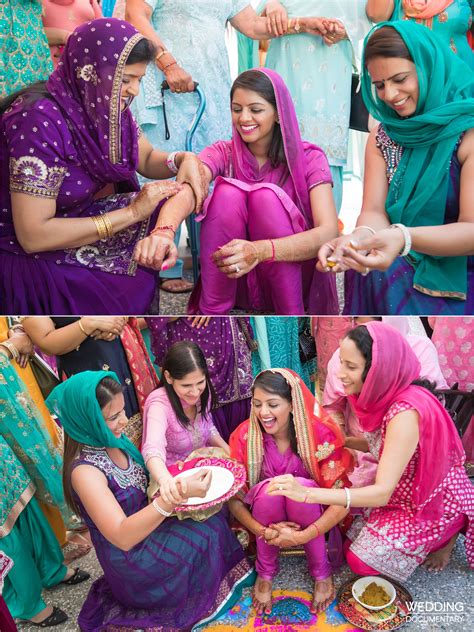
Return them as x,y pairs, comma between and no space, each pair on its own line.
100,227
297,25
108,225
9,346
290,23
163,52
82,327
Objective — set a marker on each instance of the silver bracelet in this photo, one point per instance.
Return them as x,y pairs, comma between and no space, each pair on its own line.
348,498
160,509
367,227
171,162
406,235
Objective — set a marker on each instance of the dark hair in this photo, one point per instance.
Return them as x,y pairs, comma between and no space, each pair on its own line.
143,51
105,391
33,92
181,359
363,341
386,42
259,82
276,384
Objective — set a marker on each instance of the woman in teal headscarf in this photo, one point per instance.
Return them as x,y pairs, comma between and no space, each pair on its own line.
158,571
419,181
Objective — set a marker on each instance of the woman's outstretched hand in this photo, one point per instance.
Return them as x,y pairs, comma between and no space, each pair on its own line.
287,485
237,258
151,194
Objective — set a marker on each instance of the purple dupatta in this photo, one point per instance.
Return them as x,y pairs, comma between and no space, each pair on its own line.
86,86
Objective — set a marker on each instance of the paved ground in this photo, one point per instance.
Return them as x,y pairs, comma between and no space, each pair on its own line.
453,585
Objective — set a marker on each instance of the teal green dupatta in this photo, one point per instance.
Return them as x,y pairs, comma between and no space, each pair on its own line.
418,191
75,403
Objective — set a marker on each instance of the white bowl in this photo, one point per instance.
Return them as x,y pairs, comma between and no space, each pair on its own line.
361,584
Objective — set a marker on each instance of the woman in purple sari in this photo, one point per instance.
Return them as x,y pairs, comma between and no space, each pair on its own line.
64,247
271,209
159,573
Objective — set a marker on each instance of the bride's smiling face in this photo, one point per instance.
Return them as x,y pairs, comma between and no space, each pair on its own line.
272,411
253,116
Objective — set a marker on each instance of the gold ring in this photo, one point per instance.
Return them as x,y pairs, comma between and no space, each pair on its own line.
280,487
178,90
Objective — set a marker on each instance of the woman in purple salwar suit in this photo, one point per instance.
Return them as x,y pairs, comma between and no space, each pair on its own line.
66,247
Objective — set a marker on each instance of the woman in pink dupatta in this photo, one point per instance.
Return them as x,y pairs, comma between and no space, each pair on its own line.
338,406
422,497
270,210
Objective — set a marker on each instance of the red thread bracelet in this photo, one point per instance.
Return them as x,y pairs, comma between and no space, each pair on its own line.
273,250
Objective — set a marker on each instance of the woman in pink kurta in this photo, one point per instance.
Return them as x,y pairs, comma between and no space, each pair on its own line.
337,404
421,498
177,418
66,15
271,206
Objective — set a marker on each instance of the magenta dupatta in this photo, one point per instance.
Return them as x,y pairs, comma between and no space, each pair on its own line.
245,164
394,368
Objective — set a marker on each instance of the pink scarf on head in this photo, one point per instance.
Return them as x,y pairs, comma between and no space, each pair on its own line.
394,367
422,10
245,165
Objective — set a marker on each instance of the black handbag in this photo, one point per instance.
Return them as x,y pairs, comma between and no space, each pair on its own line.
44,375
306,346
359,119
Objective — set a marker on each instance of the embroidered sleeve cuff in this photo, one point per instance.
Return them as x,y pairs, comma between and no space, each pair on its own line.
30,175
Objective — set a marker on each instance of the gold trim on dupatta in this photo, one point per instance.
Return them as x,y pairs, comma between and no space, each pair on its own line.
115,149
26,495
304,435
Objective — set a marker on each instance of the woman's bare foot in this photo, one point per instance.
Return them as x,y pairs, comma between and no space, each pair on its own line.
438,560
262,596
323,594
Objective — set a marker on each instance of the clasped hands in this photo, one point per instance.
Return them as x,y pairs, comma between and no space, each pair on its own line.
330,29
361,251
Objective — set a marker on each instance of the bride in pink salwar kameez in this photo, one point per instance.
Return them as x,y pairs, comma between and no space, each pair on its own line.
284,435
270,208
421,498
